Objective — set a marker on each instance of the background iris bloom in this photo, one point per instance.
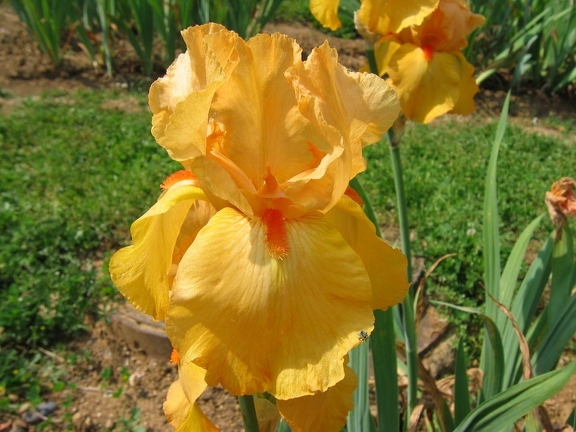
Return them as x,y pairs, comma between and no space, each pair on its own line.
264,270
418,50
380,16
425,65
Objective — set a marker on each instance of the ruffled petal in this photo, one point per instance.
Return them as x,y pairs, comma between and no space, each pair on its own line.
177,406
450,25
348,108
387,267
391,16
180,101
326,12
142,271
180,406
197,421
325,411
258,323
256,109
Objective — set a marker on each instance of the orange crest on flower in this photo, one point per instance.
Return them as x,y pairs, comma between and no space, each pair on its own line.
174,357
276,237
176,177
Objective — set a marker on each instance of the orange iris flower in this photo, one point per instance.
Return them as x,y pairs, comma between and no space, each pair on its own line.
425,66
263,269
419,51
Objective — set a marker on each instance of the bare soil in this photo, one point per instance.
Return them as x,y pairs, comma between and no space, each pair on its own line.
107,376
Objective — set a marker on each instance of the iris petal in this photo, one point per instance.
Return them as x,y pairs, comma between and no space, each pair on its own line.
189,87
326,12
386,16
427,88
349,109
180,406
258,323
325,411
385,266
141,271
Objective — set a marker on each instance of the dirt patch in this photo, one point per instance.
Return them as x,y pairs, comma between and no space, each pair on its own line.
112,386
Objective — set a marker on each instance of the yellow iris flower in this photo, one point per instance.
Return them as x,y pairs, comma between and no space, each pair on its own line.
419,51
263,266
425,65
378,16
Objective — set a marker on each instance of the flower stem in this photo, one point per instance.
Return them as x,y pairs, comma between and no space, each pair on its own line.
248,411
383,345
407,311
401,200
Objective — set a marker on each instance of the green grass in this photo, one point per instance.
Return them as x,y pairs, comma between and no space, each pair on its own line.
75,175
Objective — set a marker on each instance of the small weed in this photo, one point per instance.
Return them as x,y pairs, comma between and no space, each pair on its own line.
125,374
5,94
130,424
106,374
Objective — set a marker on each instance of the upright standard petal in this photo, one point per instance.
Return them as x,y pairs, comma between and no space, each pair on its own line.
350,108
256,111
142,271
448,27
257,323
189,87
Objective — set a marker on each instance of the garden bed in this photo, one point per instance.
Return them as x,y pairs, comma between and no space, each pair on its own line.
107,382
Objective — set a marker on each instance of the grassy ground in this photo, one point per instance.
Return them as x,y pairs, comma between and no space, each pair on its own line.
78,169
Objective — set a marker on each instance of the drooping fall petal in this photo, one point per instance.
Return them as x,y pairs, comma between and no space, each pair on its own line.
468,88
325,411
430,87
389,281
141,271
258,323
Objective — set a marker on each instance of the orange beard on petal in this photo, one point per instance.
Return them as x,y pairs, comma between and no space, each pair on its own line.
174,357
428,52
174,178
276,236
